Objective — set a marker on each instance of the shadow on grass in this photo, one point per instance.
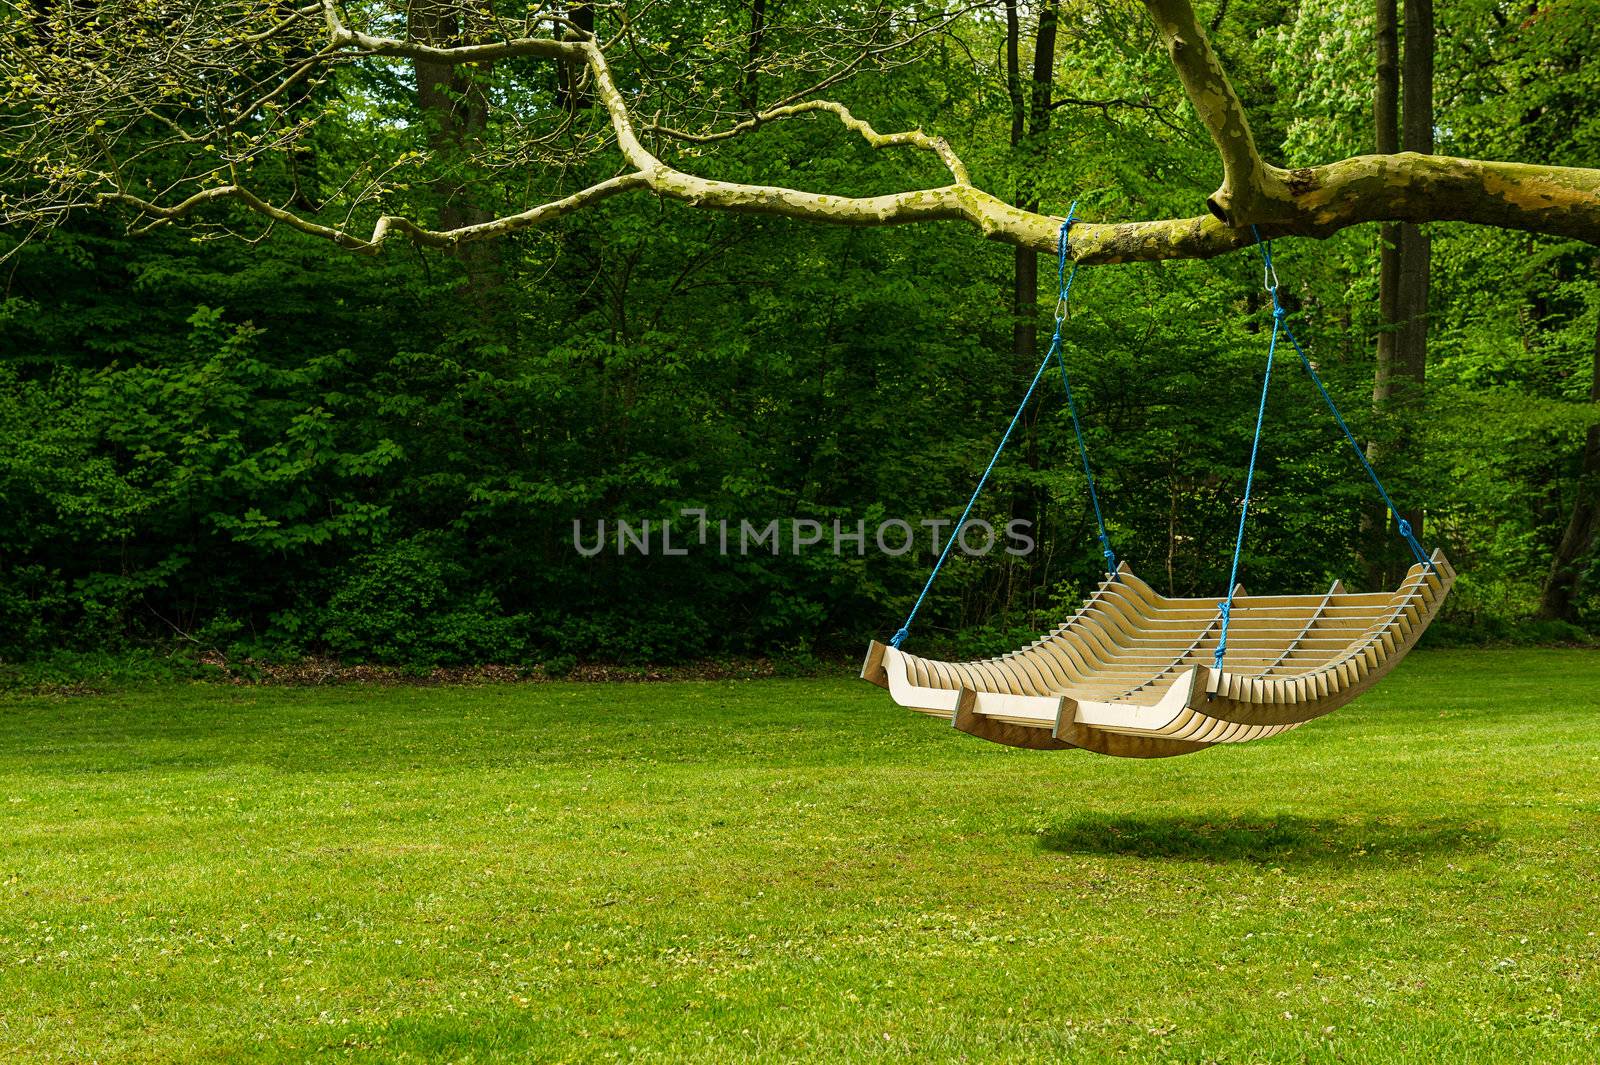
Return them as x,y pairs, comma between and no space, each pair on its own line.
1268,840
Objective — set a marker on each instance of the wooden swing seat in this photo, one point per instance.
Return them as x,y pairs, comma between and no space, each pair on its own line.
1130,674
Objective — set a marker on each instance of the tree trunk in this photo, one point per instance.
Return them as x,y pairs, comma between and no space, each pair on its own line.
1416,135
1386,128
749,78
1417,78
1399,378
1559,599
1030,122
1044,68
453,102
1025,269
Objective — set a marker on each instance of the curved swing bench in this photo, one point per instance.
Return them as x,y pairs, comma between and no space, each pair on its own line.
1130,673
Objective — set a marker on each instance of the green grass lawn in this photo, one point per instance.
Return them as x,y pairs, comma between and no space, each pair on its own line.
783,869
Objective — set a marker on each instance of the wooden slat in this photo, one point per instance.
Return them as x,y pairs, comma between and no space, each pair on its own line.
1289,649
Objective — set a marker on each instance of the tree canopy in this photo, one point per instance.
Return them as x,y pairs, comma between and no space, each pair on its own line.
220,430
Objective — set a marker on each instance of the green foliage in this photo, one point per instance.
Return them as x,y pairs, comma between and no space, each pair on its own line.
405,603
1325,55
60,672
280,450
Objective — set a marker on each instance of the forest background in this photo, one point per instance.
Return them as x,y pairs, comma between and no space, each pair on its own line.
268,451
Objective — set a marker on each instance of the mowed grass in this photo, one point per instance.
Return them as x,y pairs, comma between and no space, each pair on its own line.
795,869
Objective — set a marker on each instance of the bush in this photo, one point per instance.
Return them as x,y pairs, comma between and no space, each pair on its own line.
403,605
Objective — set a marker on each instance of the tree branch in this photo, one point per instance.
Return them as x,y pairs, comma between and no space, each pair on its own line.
341,35
1245,178
912,138
386,224
1403,187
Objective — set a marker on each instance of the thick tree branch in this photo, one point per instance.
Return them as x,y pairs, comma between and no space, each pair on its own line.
1245,178
341,35
1404,187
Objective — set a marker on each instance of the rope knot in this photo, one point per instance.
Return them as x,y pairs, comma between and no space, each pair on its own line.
1405,527
899,638
1278,312
1063,252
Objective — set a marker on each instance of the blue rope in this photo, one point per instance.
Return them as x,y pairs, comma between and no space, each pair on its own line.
1316,379
1269,275
1064,284
1225,608
1064,292
1403,526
